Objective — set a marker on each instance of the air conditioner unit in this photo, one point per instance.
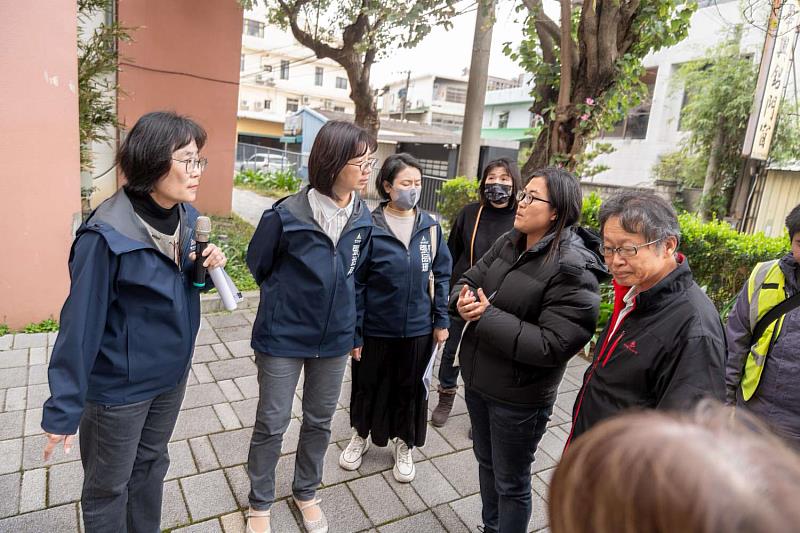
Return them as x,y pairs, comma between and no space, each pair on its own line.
261,79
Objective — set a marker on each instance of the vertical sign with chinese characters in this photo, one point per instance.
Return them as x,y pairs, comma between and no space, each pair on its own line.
773,76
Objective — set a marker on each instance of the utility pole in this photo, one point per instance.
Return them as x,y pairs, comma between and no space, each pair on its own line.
405,95
476,90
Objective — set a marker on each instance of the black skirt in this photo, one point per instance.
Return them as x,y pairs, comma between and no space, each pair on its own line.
388,398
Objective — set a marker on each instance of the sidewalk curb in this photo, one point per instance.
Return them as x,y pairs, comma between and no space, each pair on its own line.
211,303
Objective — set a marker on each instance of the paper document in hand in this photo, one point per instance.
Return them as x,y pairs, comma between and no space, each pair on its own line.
428,375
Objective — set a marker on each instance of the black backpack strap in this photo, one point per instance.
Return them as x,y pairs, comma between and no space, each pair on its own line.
774,314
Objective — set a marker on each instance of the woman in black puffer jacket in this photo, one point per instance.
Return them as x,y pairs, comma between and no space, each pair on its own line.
532,302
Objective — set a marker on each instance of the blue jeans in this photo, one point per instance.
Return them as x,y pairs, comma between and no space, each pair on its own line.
277,380
125,459
504,439
448,374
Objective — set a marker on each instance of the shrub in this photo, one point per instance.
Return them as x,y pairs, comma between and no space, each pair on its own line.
454,195
232,235
590,212
275,183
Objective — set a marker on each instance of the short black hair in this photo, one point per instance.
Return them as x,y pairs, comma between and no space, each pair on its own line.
394,164
337,142
145,155
566,199
793,221
511,168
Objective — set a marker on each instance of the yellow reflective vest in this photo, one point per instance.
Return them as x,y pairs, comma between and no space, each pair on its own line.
765,290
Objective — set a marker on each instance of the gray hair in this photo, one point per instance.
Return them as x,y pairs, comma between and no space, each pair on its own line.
644,213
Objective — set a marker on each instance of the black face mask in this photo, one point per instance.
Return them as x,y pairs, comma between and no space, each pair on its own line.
497,192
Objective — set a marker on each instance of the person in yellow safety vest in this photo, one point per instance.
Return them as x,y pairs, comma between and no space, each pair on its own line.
763,374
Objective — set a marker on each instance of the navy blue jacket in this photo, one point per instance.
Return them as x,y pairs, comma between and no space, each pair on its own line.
129,323
397,296
308,288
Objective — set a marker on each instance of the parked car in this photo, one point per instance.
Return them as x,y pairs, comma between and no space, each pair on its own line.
267,163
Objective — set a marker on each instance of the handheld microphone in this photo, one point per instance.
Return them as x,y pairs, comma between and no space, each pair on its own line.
202,230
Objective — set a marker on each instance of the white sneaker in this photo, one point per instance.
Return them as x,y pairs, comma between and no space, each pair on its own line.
404,469
350,459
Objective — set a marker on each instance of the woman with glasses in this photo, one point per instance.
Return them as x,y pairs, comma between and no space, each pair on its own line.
664,347
531,302
477,226
306,255
121,361
405,317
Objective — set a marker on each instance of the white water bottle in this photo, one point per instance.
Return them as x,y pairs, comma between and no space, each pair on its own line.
227,290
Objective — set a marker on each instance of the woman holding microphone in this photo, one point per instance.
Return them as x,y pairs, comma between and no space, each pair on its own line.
128,327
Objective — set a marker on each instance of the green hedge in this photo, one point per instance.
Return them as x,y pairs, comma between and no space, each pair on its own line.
455,194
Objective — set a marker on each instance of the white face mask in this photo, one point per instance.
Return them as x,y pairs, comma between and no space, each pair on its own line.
405,199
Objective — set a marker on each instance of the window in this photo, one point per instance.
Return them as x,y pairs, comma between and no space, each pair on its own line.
284,69
452,122
254,28
456,95
267,104
634,126
265,66
318,76
502,120
258,106
338,109
243,105
341,83
292,105
241,64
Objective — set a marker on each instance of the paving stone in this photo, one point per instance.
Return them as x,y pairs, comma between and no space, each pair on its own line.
33,422
283,521
559,416
469,510
332,473
240,484
248,385
232,368
204,456
13,358
566,400
2,400
10,455
561,432
456,432
203,354
377,499
221,351
449,519
233,523
62,518
342,510
540,487
552,445
208,495
546,475
230,390
237,333
539,513
246,411
16,399
291,437
33,453
13,377
38,356
9,488
51,338
6,341
542,461
240,348
11,424
33,491
196,422
181,461
227,320
191,379
206,336
340,426
209,526
431,485
460,470
30,340
227,416
435,445
37,374
426,522
250,316
297,406
65,482
406,493
173,508
284,475
344,396
377,459
37,395
232,447
201,395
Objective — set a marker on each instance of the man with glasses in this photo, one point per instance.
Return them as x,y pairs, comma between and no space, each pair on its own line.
664,346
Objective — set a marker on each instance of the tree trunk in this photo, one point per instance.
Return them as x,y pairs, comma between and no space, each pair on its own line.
558,144
712,169
469,154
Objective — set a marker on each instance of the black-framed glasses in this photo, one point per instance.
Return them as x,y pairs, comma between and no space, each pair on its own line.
366,165
193,164
528,198
624,251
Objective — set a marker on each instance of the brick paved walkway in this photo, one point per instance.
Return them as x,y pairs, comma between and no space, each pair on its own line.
206,486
